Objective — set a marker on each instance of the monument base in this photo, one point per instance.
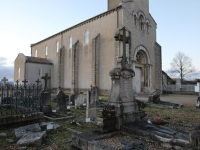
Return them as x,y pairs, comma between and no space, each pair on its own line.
47,109
91,113
127,112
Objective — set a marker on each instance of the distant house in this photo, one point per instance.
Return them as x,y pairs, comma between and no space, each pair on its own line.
166,80
31,68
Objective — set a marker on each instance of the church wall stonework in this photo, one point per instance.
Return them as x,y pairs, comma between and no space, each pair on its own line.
158,68
141,37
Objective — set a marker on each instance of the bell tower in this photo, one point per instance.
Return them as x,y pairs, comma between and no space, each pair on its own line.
114,3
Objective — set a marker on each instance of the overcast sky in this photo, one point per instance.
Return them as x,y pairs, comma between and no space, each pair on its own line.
28,21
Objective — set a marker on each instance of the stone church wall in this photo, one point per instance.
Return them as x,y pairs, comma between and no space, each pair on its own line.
104,25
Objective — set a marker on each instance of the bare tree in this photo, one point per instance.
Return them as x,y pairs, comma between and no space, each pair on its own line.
182,65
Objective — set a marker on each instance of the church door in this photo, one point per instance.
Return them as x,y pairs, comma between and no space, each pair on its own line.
138,79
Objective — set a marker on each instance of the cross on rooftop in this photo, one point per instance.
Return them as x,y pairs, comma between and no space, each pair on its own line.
4,80
46,78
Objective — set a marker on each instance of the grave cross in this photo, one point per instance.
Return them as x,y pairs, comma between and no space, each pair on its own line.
17,82
4,80
37,81
121,36
25,81
46,78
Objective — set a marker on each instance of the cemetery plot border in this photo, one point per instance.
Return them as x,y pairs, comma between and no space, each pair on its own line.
19,100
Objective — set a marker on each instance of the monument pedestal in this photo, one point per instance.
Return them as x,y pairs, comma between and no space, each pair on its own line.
46,102
122,96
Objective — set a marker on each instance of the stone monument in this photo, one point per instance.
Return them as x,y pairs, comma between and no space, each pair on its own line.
79,100
91,103
61,99
122,96
46,96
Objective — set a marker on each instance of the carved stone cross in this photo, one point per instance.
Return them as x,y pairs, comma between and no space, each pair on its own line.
4,80
46,78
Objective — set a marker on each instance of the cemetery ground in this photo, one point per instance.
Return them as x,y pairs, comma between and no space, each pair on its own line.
61,138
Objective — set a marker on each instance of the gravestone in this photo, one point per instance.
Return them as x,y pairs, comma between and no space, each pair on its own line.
72,99
91,104
46,96
79,100
61,99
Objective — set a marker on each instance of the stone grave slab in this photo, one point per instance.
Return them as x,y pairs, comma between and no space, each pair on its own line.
21,131
32,139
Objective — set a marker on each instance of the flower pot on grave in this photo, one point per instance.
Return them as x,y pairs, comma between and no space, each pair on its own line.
105,125
108,120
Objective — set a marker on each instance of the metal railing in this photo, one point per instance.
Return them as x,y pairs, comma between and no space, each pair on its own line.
19,99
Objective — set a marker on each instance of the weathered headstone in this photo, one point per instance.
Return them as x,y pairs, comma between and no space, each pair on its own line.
4,80
61,99
46,96
91,104
79,100
72,99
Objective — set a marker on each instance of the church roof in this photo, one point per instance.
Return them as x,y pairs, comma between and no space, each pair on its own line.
38,60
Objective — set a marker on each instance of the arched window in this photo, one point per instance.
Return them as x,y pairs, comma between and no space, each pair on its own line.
19,73
35,53
70,42
135,20
40,72
147,27
86,37
141,22
57,46
46,50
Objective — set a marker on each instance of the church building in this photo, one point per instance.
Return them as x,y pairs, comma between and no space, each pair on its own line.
84,54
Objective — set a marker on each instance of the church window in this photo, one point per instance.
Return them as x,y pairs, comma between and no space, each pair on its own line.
46,50
57,46
40,72
147,27
141,23
135,20
86,37
35,53
70,42
19,73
